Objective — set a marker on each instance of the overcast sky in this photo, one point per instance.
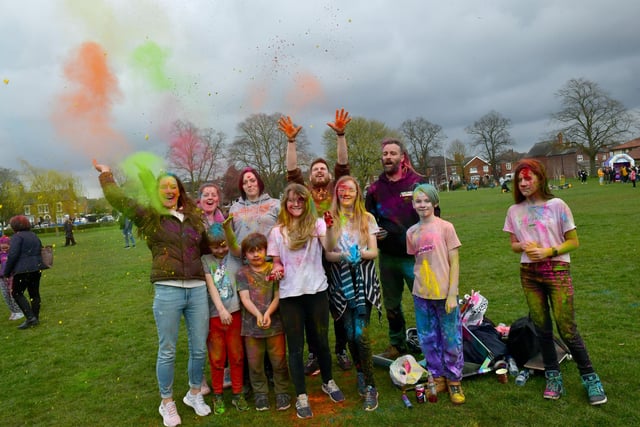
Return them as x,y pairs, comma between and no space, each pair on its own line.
216,62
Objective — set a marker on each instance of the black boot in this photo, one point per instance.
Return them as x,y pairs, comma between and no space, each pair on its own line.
23,303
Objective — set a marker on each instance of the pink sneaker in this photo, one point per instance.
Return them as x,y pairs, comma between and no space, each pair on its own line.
169,412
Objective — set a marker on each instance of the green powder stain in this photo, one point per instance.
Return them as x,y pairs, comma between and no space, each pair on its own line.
150,59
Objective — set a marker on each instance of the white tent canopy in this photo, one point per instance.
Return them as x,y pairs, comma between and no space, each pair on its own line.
620,158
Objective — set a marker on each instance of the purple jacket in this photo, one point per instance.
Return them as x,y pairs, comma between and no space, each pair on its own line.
390,203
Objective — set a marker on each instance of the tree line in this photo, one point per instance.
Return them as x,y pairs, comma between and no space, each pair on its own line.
589,120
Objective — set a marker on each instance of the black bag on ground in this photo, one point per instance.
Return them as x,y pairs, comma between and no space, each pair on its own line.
487,335
522,342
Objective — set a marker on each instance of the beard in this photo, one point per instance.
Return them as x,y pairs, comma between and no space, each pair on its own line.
391,168
320,182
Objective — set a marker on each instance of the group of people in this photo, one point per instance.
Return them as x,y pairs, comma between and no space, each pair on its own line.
624,174
252,286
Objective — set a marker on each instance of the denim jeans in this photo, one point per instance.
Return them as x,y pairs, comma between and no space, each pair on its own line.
170,303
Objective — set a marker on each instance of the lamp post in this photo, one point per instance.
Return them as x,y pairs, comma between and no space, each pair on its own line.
446,172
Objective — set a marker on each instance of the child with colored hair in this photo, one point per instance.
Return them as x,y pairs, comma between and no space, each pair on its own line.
225,320
543,232
5,282
434,243
261,323
296,245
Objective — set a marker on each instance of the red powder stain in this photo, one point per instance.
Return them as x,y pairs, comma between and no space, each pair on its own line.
526,173
82,115
306,91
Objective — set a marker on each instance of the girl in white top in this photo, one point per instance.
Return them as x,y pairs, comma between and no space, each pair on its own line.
296,244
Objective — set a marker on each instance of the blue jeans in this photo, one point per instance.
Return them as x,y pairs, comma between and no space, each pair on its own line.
170,303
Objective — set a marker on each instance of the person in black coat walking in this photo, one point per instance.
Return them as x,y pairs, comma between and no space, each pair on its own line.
24,262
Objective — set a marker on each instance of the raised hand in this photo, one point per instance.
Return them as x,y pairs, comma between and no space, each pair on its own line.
100,168
285,124
341,122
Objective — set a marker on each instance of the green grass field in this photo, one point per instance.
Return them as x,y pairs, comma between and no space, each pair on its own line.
91,361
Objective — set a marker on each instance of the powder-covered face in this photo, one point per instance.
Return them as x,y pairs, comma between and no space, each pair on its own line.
528,182
347,193
209,200
256,256
250,186
219,248
423,206
295,204
169,192
4,247
319,175
391,158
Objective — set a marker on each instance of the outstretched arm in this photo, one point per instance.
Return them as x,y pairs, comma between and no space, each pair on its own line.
339,126
285,124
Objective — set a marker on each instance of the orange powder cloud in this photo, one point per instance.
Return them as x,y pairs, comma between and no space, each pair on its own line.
82,114
307,90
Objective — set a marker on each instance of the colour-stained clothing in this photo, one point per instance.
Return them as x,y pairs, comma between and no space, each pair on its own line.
545,224
431,243
261,293
390,204
303,272
223,275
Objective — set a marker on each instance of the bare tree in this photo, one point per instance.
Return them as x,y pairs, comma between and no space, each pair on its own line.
262,146
363,145
592,119
491,135
194,153
423,138
458,151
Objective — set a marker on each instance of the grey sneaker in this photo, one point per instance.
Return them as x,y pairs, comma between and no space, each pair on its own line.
262,402
312,367
303,410
283,401
331,388
594,389
239,402
370,399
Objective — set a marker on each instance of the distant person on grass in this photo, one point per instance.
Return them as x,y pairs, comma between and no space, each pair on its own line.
24,263
434,243
542,230
69,239
127,232
174,232
321,184
389,200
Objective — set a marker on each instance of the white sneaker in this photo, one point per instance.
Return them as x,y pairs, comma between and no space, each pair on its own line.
196,401
169,412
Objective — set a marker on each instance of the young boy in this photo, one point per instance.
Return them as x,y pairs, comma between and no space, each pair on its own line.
435,244
224,340
261,323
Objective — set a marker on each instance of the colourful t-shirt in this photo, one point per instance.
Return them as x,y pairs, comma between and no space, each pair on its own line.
303,271
261,293
223,275
430,243
545,224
